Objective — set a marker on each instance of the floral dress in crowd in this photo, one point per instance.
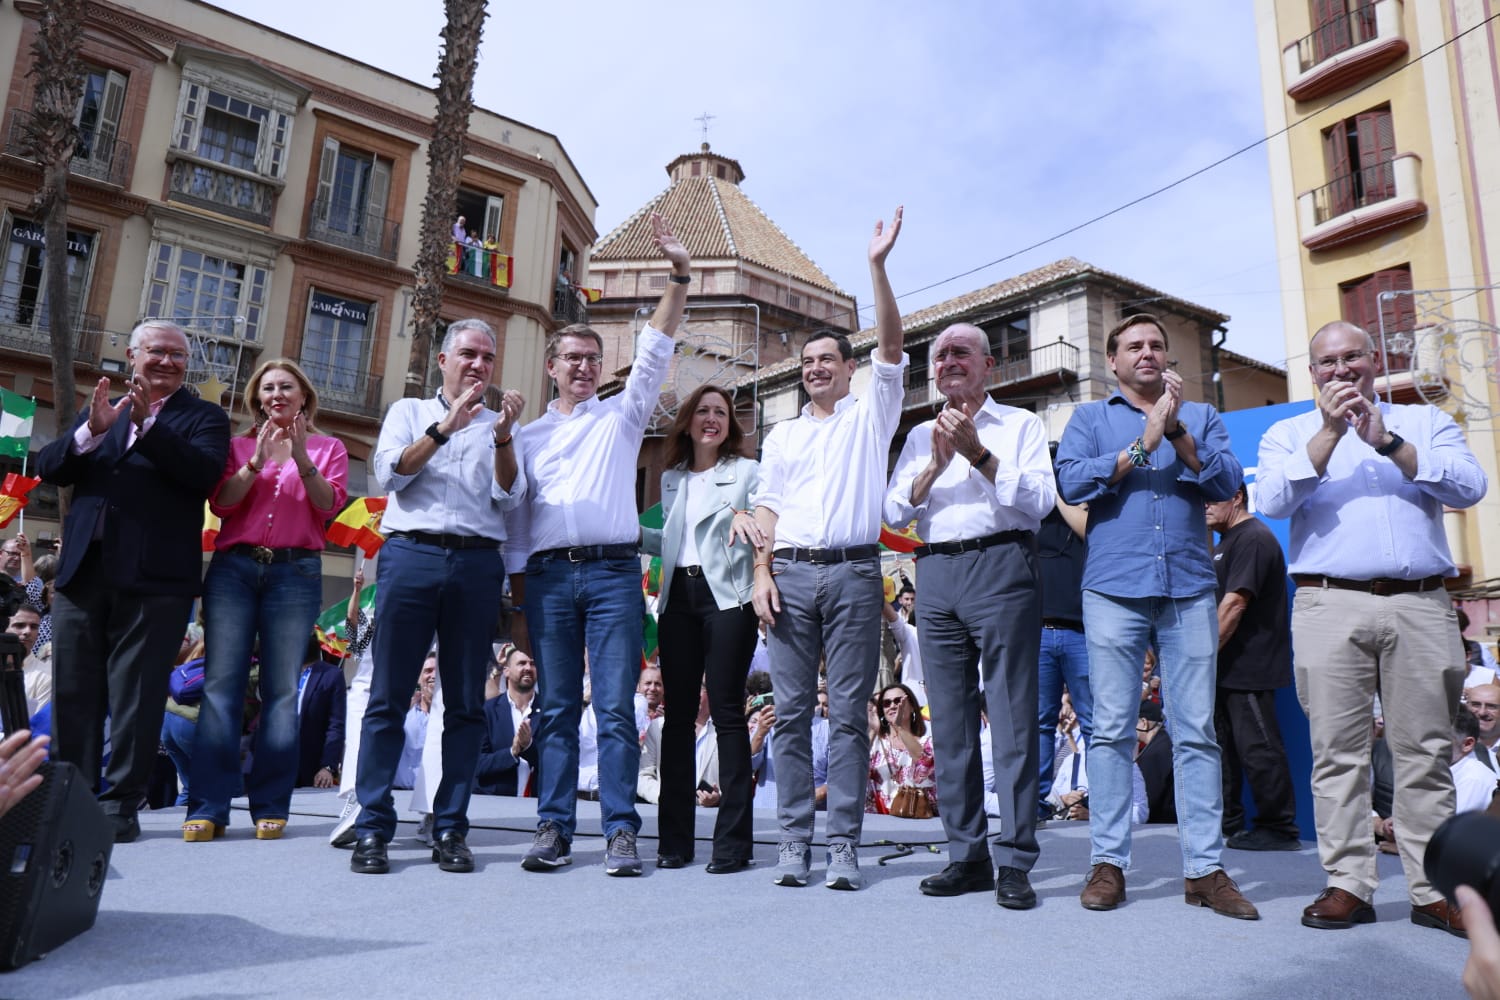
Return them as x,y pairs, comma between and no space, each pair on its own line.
891,766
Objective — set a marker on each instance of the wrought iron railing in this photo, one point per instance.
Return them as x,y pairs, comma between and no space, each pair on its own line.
221,189
566,307
1058,356
343,389
25,327
352,229
1366,186
1338,35
99,156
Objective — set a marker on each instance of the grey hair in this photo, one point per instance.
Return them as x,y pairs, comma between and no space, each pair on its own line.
984,338
459,326
154,324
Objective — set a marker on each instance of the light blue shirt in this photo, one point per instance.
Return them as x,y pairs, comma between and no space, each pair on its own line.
763,764
455,492
1362,519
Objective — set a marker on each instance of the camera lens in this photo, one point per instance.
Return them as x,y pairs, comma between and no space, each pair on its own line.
1465,850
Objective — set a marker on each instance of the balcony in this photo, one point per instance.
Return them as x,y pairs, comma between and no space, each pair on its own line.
1057,362
219,188
476,265
103,158
1368,201
24,328
567,308
1344,51
362,232
345,390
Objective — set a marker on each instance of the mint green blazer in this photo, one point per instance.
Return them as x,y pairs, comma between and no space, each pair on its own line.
729,569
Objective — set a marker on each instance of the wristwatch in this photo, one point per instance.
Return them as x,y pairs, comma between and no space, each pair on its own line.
1388,450
436,434
1176,432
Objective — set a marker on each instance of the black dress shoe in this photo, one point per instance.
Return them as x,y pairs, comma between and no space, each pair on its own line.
671,861
958,878
369,856
1013,889
126,828
452,854
730,866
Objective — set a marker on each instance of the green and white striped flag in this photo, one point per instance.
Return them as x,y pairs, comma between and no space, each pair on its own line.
16,413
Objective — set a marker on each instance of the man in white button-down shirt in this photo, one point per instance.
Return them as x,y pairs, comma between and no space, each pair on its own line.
978,480
818,588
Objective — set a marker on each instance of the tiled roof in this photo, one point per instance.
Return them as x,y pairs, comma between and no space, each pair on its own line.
713,218
934,316
1229,358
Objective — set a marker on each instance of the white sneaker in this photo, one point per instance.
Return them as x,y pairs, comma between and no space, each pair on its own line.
344,834
424,830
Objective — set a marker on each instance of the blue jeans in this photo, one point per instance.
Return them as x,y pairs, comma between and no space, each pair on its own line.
1185,632
424,591
570,605
243,600
177,736
1064,660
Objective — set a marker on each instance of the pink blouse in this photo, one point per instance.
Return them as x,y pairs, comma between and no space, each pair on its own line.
277,512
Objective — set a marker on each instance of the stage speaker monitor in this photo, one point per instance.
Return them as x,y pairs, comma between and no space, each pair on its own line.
54,857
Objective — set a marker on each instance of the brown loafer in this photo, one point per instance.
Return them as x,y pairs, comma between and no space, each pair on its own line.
1217,891
1443,915
1336,909
1105,888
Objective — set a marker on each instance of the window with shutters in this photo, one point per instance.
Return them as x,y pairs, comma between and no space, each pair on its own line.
206,291
98,119
1360,153
1375,303
23,290
1339,25
350,207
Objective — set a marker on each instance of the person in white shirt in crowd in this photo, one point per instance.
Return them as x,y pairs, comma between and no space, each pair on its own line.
905,635
1474,784
1484,701
705,757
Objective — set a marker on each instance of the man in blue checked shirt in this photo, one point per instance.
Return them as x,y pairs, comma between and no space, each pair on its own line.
1146,461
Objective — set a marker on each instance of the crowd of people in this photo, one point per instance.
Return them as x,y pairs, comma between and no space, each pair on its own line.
1046,577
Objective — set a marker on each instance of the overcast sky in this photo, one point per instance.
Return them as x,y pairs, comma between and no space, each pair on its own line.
996,124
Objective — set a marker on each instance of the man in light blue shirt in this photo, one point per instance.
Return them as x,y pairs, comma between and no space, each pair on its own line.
1146,461
1369,556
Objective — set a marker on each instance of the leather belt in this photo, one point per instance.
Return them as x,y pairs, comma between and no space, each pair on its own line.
825,557
1380,586
589,794
971,544
588,553
691,570
443,540
266,556
1066,624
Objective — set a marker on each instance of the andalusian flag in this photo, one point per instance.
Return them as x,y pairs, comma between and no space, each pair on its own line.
13,495
332,626
651,581
16,413
359,525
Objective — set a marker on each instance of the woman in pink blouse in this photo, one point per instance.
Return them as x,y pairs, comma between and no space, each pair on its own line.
281,484
902,753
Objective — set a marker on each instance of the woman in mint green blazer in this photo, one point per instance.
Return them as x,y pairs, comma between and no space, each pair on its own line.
706,625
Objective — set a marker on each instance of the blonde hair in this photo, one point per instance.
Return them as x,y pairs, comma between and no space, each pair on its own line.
309,394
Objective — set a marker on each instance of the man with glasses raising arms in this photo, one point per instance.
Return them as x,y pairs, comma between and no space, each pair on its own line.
1365,484
575,568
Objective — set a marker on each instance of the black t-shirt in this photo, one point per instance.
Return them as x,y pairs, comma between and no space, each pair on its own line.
1061,555
1258,657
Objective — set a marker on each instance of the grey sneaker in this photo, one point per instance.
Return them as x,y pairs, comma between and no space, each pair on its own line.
620,857
344,834
424,831
793,863
549,850
843,867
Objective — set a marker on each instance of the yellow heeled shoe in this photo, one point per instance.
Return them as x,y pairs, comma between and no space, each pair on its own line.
269,829
201,830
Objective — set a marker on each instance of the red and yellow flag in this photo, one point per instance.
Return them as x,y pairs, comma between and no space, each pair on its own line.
501,266
13,495
903,539
359,524
210,528
592,294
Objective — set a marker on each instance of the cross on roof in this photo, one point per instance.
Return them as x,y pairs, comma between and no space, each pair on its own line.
703,121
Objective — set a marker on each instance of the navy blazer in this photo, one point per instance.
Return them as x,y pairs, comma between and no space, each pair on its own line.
151,496
320,722
496,774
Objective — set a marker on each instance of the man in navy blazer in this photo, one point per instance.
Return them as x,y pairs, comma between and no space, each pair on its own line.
141,468
502,753
321,709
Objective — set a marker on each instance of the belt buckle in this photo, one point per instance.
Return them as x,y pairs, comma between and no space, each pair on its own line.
262,555
694,570
1381,588
576,554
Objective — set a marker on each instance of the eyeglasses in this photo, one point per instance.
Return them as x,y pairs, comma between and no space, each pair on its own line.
574,360
162,354
892,702
1348,360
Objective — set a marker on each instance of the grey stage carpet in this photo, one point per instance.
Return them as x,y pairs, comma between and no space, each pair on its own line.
240,918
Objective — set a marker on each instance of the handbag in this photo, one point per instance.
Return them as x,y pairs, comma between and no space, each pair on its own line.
909,802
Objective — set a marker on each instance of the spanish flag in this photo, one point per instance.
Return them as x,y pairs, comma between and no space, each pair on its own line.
210,528
904,539
500,266
592,294
359,524
13,495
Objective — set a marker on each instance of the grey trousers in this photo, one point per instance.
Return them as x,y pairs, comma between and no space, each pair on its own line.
832,610
984,608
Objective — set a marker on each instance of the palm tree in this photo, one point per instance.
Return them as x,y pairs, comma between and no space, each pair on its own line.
445,155
52,136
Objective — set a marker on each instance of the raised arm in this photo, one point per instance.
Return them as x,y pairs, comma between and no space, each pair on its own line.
887,316
668,313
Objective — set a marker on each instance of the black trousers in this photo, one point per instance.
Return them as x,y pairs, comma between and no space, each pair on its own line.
1251,749
113,654
703,646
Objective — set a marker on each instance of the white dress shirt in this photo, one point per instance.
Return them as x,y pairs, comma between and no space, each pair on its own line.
824,477
519,715
455,492
1473,783
580,466
962,503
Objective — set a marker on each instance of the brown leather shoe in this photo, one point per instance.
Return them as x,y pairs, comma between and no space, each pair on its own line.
1217,891
1105,888
1443,915
1336,909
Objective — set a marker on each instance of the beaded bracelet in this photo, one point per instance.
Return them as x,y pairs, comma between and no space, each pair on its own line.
1137,454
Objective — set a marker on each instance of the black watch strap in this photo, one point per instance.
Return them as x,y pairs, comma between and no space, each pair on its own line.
1176,432
680,279
436,434
1396,442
